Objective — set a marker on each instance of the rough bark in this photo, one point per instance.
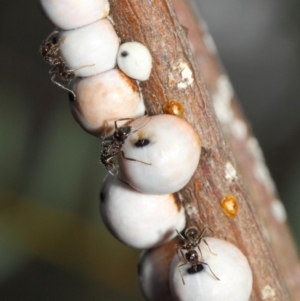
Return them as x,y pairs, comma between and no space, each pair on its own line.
155,24
245,148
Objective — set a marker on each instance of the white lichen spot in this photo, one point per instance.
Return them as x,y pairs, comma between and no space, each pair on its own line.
187,78
238,129
265,231
261,171
210,43
278,211
222,105
268,292
230,172
190,210
181,75
203,24
180,196
222,100
254,148
262,174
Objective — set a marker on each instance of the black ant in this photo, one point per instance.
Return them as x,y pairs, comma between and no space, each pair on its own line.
191,240
50,51
111,146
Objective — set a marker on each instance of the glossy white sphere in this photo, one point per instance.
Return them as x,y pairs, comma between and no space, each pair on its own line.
71,14
139,220
170,145
154,269
229,265
135,60
105,97
91,49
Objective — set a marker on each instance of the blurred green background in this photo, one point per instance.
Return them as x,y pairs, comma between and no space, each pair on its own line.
53,244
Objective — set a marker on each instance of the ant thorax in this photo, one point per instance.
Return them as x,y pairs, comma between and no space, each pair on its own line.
192,256
122,133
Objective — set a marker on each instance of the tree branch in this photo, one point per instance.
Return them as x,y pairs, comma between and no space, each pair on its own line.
174,75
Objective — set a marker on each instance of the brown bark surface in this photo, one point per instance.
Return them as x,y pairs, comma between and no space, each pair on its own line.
155,24
247,155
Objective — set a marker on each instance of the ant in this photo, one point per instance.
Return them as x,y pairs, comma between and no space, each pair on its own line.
50,51
191,240
113,145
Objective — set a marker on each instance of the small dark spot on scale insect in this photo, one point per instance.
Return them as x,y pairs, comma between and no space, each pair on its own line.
102,197
124,53
191,240
111,146
71,97
55,40
142,142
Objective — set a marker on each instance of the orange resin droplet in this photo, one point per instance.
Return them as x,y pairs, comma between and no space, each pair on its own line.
230,205
174,107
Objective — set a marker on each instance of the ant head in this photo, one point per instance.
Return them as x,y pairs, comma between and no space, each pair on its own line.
122,132
46,47
191,233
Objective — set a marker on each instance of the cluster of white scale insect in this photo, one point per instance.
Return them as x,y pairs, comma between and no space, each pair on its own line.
148,158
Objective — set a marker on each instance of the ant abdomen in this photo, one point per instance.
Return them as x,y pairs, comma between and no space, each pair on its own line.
195,268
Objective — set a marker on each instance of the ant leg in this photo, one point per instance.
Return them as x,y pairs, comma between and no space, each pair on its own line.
200,251
60,42
209,248
143,124
182,255
202,233
178,267
200,238
209,269
110,171
180,235
105,130
75,69
131,159
62,86
181,275
178,247
131,120
51,34
111,163
124,182
210,229
52,70
176,250
116,125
